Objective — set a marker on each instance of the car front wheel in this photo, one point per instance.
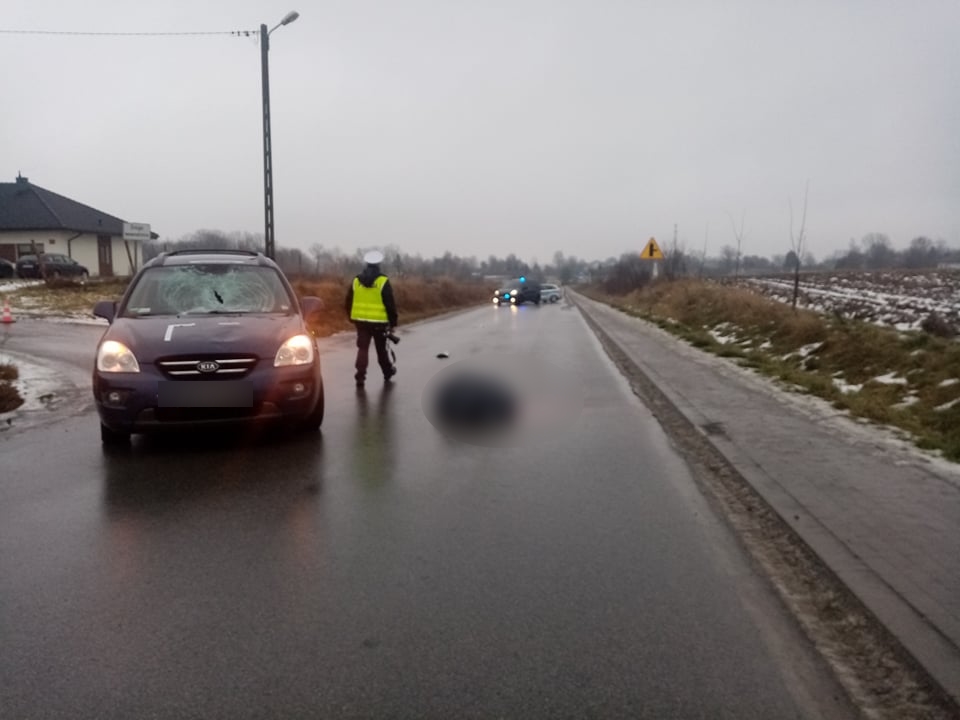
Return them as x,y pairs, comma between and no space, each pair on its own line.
315,418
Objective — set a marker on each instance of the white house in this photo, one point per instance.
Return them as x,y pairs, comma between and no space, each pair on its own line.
33,217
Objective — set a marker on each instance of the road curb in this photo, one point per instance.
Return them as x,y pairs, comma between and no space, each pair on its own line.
914,640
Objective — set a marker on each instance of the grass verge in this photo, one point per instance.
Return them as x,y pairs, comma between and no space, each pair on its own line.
909,380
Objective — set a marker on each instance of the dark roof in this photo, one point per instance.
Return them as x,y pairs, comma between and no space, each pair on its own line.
25,206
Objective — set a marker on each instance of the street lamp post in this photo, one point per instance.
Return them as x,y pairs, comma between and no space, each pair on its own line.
268,239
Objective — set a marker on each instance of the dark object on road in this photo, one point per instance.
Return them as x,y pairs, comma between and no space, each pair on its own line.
443,355
204,338
471,401
54,264
7,269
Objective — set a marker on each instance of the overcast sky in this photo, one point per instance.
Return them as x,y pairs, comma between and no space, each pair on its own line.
496,126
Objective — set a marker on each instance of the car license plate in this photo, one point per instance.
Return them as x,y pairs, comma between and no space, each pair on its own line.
205,393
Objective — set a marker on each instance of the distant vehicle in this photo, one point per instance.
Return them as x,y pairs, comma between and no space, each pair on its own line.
28,266
517,293
550,293
7,269
204,338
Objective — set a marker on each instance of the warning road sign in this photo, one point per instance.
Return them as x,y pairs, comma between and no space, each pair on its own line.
652,251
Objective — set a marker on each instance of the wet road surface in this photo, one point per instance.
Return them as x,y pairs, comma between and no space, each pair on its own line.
380,570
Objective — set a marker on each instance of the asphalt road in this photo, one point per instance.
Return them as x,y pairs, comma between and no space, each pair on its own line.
379,569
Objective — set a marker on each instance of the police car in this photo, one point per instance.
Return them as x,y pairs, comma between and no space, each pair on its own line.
517,293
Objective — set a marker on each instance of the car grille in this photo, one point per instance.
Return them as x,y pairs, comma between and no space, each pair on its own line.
188,368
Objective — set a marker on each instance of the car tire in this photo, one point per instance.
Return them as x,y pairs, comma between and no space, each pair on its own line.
554,299
83,278
315,418
113,438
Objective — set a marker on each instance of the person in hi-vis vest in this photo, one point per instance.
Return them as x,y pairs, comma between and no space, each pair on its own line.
373,310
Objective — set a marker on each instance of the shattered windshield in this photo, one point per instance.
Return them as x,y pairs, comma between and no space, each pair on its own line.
208,288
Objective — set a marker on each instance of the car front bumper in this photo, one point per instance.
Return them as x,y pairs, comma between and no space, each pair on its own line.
131,402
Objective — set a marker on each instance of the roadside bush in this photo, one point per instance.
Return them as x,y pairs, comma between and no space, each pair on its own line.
9,397
8,372
935,324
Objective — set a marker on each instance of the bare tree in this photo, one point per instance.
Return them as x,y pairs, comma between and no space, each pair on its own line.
796,243
728,258
738,234
703,258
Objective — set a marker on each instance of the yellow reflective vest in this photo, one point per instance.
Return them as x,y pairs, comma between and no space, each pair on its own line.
368,302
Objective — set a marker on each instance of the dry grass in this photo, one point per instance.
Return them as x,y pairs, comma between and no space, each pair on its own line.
819,354
64,297
416,299
9,396
8,372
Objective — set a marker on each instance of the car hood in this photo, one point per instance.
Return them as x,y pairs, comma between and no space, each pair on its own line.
155,337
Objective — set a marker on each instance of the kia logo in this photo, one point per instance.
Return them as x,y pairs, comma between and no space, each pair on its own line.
208,366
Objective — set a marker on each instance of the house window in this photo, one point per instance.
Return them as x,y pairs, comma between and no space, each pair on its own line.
28,249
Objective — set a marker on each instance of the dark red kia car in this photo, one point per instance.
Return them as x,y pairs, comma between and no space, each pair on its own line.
204,338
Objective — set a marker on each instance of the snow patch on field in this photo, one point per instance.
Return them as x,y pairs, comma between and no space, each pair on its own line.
948,382
898,299
722,338
890,379
947,405
907,402
845,387
10,285
808,350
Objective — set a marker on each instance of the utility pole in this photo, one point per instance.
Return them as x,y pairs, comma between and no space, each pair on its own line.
268,243
269,246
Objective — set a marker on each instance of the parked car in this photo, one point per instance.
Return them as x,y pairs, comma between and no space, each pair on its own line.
57,265
207,338
517,293
7,269
550,293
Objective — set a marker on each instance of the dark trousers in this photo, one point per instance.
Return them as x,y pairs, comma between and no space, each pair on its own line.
366,332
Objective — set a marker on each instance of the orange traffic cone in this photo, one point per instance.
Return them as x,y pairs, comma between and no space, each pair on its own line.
7,315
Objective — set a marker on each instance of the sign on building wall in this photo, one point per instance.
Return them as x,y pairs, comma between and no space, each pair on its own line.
136,231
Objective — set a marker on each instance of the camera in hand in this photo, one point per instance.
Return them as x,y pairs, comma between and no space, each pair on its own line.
392,337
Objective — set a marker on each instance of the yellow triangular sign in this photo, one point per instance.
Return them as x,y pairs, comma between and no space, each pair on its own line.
652,251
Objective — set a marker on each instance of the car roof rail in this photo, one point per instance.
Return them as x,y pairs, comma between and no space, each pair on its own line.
219,251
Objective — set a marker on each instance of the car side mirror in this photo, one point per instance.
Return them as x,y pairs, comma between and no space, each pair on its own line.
106,309
312,308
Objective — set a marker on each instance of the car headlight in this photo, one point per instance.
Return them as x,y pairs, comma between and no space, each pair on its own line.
298,350
115,357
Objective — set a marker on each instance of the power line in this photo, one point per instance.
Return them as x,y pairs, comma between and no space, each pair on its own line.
237,33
